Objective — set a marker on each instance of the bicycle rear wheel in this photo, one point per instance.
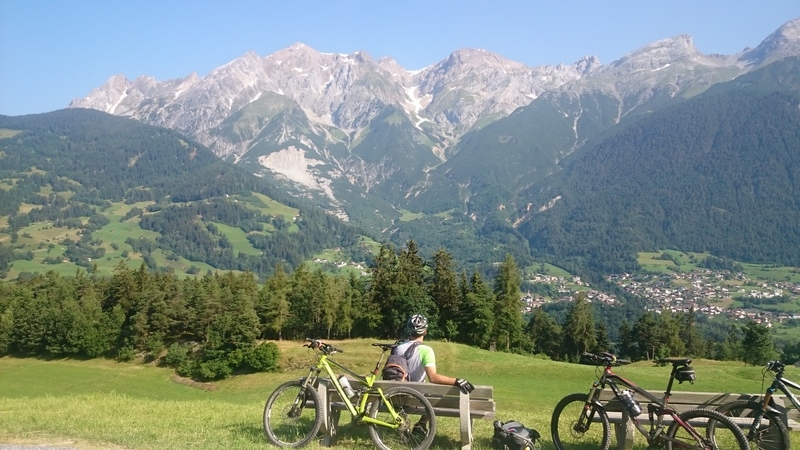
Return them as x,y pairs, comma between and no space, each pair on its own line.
770,434
412,407
292,415
714,431
572,429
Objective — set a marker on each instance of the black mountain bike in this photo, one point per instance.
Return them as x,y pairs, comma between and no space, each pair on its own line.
762,422
580,421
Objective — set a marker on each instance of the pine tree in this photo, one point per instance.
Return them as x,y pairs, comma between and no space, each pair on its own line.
122,289
731,348
508,323
273,307
757,344
477,318
647,336
444,291
602,343
579,330
366,313
301,301
695,344
332,302
345,315
383,291
545,334
670,339
627,343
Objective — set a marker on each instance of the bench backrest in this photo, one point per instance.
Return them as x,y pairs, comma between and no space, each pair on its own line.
444,399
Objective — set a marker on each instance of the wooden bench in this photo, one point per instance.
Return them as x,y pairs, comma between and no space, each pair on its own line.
682,401
447,401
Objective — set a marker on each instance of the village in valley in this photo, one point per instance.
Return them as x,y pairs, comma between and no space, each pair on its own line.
708,292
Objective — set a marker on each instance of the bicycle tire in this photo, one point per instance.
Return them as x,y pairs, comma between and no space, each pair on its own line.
772,434
284,428
412,406
568,434
721,433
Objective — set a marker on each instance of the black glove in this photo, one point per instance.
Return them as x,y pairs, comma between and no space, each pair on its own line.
465,386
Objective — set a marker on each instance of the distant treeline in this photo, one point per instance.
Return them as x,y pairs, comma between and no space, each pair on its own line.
210,326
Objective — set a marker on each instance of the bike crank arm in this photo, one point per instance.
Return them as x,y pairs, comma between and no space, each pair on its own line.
682,444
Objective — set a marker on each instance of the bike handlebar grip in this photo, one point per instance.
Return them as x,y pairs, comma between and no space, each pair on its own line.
623,361
775,365
313,343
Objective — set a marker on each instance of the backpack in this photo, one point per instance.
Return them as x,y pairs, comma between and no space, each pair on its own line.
396,368
513,435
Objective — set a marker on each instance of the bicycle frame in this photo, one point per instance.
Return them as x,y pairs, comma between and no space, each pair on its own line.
356,410
657,407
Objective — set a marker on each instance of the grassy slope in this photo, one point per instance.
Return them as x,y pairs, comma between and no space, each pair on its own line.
44,239
105,404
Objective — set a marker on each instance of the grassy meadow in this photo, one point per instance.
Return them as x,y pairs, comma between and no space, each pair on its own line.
104,404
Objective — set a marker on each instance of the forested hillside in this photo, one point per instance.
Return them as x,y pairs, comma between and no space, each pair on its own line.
718,173
85,188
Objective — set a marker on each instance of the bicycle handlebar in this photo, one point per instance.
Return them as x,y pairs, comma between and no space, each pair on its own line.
316,344
775,366
605,358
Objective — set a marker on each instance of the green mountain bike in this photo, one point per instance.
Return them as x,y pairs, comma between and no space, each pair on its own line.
292,415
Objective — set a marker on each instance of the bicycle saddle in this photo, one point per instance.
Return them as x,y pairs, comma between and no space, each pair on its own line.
676,361
385,346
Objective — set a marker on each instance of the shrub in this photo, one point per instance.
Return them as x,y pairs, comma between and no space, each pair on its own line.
187,368
263,357
125,354
177,355
154,346
213,370
235,358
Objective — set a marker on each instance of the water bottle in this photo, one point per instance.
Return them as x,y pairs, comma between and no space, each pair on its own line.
348,390
631,404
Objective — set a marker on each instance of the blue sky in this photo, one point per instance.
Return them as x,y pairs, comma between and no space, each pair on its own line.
54,51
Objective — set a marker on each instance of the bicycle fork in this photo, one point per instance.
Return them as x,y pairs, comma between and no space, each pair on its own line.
300,401
587,415
754,429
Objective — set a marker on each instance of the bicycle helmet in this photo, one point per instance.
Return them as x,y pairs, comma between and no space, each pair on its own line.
417,325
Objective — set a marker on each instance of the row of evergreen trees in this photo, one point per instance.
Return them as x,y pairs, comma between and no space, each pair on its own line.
211,326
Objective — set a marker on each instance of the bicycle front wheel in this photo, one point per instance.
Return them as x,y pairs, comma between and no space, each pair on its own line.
770,433
292,416
412,407
720,433
573,425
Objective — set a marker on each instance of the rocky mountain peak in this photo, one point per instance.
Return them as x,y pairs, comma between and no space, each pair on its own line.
586,65
655,56
782,43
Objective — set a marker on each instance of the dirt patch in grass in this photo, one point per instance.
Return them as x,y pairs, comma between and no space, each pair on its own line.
196,384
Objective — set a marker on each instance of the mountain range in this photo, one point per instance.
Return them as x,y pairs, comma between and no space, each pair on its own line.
474,144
